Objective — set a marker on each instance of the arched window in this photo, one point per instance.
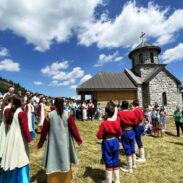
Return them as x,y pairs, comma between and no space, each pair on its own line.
164,99
133,63
141,58
152,57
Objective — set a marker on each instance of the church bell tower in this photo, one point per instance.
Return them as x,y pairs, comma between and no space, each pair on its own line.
145,58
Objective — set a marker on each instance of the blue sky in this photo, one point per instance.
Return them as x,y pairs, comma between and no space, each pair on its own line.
51,46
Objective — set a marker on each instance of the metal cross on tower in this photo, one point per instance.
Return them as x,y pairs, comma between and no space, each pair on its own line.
142,36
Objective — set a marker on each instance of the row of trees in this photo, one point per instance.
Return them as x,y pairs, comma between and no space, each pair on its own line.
5,84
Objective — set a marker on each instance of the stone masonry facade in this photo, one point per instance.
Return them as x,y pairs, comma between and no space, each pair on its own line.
161,83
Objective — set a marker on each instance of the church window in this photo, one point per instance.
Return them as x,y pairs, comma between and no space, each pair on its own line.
141,58
164,99
152,57
133,63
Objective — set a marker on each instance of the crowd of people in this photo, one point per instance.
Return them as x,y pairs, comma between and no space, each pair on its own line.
55,121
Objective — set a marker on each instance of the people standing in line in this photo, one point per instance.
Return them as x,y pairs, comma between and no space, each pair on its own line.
15,156
127,121
178,120
90,109
109,131
59,151
84,111
139,130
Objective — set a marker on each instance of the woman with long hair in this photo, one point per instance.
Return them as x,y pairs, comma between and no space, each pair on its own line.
60,151
15,156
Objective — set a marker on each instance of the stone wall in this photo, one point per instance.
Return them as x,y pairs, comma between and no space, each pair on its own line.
146,57
146,95
144,70
162,82
139,95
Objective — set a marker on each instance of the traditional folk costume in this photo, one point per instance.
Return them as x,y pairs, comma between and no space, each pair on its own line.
29,109
3,131
60,151
15,158
139,130
127,121
40,116
109,131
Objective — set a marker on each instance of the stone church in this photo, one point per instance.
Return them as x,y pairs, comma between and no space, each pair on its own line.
147,80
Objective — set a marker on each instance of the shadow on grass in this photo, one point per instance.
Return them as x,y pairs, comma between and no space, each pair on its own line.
170,134
40,177
96,174
177,143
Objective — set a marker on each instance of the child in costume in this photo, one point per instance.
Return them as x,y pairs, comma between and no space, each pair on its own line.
139,130
127,121
109,131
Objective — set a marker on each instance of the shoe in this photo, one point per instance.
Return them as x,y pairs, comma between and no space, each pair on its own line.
126,170
140,160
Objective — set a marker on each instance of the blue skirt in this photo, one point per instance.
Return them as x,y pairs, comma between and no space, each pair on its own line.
18,175
33,127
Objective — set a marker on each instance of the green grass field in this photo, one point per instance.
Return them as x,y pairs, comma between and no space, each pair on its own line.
164,159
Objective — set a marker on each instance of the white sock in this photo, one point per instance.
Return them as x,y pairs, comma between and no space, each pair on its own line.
108,176
134,161
116,176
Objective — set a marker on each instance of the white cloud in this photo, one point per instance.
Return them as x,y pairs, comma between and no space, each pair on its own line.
60,77
54,83
104,59
4,52
73,87
124,30
77,72
38,83
42,22
9,65
173,54
55,68
77,97
85,78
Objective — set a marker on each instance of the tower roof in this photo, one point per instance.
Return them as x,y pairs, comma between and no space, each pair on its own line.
144,45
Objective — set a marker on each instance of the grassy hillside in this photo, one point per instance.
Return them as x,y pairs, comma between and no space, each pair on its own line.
164,159
5,84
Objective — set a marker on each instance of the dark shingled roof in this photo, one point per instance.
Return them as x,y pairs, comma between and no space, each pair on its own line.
144,45
107,81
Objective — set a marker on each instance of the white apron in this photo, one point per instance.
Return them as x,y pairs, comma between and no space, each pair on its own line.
15,153
3,132
42,117
29,116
